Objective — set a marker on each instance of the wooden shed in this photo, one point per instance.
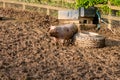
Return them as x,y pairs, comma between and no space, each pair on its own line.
82,17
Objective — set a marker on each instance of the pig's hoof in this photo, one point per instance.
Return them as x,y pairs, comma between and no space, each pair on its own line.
65,44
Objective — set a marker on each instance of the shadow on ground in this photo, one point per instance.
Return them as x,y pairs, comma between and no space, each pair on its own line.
6,18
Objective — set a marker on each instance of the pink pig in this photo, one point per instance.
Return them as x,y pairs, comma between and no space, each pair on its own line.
63,32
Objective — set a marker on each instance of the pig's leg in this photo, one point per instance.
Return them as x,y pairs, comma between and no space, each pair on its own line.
71,41
62,41
65,42
68,42
56,41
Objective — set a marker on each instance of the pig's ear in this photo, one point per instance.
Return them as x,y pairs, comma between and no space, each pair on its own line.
52,27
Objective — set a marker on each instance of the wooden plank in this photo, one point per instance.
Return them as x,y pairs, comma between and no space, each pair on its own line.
36,5
48,11
24,7
3,4
68,1
69,21
110,6
88,25
111,17
114,7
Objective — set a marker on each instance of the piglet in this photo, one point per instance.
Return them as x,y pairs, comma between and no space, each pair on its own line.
63,32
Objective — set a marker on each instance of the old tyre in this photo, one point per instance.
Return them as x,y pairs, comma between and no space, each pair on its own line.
89,40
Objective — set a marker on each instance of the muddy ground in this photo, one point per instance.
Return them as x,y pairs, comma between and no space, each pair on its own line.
27,52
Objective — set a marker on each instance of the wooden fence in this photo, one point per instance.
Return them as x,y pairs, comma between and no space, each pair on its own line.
23,6
69,1
109,16
26,6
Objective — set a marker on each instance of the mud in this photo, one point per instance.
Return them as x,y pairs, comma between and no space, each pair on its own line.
27,52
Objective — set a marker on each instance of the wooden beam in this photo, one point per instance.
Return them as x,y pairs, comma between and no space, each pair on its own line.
110,6
3,4
36,5
69,21
111,17
114,7
48,11
23,7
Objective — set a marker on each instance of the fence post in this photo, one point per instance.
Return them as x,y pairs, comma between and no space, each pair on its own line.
3,4
109,20
23,6
48,11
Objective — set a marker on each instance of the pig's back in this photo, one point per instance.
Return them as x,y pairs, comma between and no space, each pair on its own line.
67,31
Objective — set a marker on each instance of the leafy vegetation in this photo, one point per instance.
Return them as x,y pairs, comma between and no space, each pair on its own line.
88,3
118,13
105,9
115,2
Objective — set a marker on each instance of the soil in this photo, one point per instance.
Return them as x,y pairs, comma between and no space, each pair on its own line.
27,52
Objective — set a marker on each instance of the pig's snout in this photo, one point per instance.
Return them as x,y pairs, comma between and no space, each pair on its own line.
51,28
